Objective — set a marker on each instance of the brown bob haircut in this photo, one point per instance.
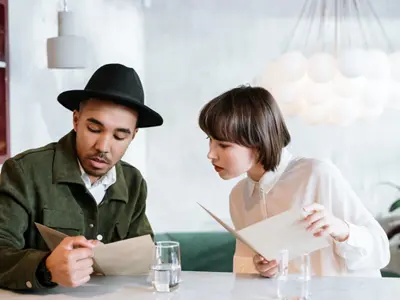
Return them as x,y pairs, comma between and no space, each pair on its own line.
250,117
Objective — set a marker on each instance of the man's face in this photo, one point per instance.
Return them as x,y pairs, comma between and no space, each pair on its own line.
104,131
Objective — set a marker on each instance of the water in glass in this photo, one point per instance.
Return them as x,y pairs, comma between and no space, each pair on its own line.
293,286
166,268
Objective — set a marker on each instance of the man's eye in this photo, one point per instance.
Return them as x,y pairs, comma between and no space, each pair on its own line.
118,138
95,130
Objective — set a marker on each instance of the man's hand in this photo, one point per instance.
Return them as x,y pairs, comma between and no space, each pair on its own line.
266,268
70,264
95,242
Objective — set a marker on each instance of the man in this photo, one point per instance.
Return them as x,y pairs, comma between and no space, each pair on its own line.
78,186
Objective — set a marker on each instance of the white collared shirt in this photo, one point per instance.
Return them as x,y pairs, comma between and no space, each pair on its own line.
301,181
99,188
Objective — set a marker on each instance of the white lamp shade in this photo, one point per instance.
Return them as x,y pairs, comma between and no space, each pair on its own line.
315,114
317,93
352,62
288,93
329,89
292,109
288,96
348,87
292,66
377,65
321,67
66,52
272,76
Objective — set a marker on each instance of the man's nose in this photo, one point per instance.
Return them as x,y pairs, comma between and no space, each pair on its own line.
103,144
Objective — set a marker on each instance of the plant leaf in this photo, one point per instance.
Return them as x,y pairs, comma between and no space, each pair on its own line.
395,205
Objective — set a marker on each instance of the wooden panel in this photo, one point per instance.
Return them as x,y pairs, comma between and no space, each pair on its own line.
4,87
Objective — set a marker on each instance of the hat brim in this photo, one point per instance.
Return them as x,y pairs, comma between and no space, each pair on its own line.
147,116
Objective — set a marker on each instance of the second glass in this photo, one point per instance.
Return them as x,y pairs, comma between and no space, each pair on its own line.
166,268
294,285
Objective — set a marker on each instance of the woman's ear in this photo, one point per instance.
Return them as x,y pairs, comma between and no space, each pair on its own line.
256,155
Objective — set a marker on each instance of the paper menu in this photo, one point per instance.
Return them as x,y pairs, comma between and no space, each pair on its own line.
127,257
283,231
230,229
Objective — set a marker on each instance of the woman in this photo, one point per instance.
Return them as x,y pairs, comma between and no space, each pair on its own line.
247,134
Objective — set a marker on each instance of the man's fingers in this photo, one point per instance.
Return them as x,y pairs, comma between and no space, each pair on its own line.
80,281
95,243
84,264
78,275
76,242
79,254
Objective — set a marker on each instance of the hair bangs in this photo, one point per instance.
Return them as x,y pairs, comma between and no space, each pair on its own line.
218,120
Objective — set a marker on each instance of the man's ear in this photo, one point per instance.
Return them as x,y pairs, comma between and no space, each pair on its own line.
75,119
134,133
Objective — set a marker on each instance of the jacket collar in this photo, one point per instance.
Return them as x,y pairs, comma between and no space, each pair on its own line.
106,180
269,179
66,168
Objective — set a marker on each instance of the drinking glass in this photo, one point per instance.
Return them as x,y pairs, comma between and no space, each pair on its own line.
294,285
166,267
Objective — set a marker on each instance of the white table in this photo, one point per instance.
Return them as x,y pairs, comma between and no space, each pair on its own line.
208,286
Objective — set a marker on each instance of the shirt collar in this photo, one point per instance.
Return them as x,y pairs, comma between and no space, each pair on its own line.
269,178
106,180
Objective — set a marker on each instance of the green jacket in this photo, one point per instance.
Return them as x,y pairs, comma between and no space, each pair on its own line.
44,185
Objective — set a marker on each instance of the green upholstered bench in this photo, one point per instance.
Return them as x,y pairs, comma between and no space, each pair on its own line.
210,251
389,274
203,251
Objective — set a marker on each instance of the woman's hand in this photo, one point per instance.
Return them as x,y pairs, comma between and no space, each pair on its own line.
264,267
321,222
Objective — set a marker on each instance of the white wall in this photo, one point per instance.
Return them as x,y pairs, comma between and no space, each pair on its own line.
186,51
36,117
198,49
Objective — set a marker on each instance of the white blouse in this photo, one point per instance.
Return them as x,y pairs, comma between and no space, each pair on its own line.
298,182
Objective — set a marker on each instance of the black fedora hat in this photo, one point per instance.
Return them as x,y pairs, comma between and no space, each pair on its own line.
116,83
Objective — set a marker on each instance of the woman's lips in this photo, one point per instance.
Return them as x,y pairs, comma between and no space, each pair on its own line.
218,169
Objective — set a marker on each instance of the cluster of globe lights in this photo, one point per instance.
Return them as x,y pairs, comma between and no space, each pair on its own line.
335,89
